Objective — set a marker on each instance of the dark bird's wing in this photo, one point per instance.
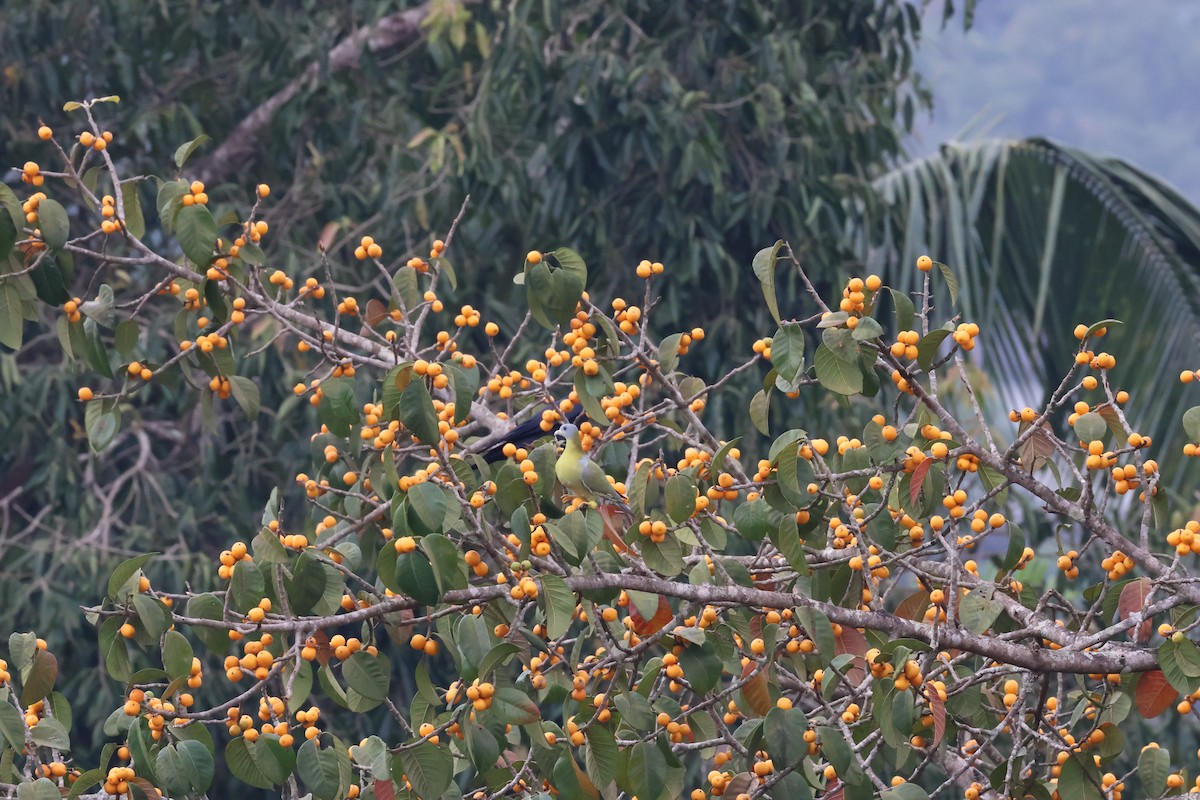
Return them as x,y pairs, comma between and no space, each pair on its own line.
528,432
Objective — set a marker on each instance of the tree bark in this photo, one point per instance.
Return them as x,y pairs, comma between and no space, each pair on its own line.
240,146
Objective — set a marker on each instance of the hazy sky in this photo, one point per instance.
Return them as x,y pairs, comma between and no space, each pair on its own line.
1118,77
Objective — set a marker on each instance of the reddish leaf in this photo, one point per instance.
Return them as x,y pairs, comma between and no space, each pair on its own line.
755,690
834,791
384,790
325,241
146,786
1036,450
1154,694
648,627
939,713
376,312
324,651
1109,415
1133,598
854,643
918,480
913,607
741,783
763,581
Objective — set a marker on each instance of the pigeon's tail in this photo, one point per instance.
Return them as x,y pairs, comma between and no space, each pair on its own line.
617,518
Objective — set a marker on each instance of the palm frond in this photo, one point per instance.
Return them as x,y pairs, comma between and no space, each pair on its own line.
1042,237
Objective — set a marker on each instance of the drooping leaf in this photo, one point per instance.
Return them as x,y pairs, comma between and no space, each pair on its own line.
764,269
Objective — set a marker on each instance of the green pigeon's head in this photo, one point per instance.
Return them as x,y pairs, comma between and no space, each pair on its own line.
566,434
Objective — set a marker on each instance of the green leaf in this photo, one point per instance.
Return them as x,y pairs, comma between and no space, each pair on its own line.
1170,662
209,606
466,383
197,233
12,726
248,585
394,382
680,497
783,733
760,408
1191,423
112,648
906,314
951,281
197,761
430,504
415,577
50,281
514,706
12,315
497,656
373,754
41,789
601,755
570,782
184,151
905,791
94,350
168,203
102,421
866,330
168,764
928,347
1091,427
977,612
126,337
1104,323
645,771
416,412
8,199
85,781
102,308
837,375
321,770
482,747
429,768
559,603
668,353
154,616
840,342
702,667
445,558
368,675
177,654
8,234
135,221
1080,780
1154,765
755,519
54,224
787,353
253,762
49,732
338,410
124,571
245,392
764,269
665,557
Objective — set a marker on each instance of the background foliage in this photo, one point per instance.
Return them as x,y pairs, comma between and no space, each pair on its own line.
689,135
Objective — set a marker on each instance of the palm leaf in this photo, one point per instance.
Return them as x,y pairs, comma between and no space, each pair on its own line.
1043,237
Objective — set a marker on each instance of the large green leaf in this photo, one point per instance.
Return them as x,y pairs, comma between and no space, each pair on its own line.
197,232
